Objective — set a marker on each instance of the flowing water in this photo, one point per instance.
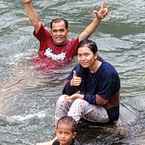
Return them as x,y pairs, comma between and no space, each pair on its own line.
28,96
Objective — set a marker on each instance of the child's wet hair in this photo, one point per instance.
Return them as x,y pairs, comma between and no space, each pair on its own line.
69,121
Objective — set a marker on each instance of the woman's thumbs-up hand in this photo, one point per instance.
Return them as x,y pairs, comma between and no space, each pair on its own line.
76,80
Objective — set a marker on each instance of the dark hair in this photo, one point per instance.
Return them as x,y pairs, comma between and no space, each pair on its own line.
56,20
90,44
68,120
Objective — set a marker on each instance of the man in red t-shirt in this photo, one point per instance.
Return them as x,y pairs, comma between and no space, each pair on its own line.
55,48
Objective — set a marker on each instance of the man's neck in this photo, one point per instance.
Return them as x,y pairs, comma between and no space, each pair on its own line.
62,44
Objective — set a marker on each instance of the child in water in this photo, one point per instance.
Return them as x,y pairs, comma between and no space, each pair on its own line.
65,132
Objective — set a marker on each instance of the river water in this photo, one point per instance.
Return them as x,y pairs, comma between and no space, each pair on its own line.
28,95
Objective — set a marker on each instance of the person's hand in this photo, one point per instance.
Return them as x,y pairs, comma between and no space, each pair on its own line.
76,80
74,97
26,1
102,12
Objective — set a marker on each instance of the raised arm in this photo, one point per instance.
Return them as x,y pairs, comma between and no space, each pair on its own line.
32,14
100,14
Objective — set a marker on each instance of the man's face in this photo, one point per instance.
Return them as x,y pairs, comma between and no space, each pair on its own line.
59,33
86,58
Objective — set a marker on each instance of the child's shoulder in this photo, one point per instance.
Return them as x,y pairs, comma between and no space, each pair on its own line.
76,142
56,142
44,143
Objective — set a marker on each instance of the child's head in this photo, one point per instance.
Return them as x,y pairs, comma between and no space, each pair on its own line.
66,130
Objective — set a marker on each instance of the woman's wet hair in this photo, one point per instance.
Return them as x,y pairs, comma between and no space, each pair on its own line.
69,121
90,44
57,20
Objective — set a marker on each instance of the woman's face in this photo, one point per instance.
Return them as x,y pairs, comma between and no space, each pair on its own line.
86,58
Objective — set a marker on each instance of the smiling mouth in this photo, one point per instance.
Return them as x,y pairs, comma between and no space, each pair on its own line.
58,38
84,63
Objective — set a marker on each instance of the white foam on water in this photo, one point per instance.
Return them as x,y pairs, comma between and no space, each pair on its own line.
21,118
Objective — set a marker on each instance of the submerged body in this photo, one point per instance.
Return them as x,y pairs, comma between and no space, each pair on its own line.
55,47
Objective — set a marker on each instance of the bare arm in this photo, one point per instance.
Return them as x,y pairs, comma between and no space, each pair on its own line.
44,143
32,14
100,100
47,143
95,99
103,11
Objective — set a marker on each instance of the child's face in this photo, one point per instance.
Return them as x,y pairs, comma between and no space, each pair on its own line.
65,134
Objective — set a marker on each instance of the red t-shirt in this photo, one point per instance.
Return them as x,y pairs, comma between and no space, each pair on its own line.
51,55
